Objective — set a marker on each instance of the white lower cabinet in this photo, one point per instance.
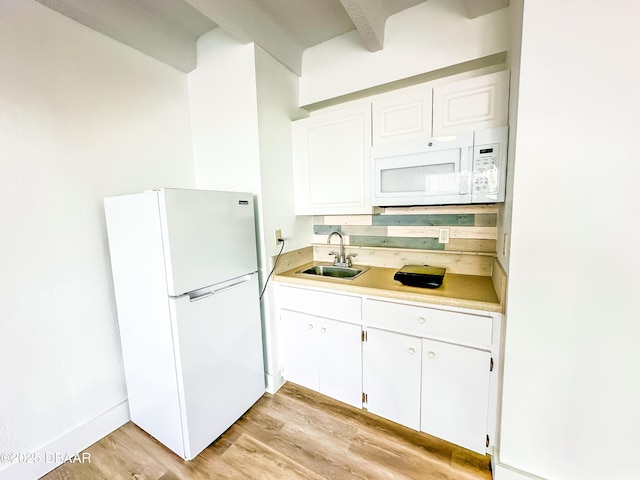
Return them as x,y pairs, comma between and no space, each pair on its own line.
301,349
323,355
393,370
455,393
453,368
426,367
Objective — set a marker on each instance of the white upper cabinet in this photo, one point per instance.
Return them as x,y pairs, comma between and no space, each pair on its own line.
402,115
331,161
480,102
331,148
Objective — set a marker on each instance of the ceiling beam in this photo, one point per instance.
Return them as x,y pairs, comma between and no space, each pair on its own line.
477,8
247,22
167,33
369,18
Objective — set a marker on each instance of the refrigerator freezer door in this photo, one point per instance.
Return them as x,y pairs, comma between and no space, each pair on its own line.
208,237
218,338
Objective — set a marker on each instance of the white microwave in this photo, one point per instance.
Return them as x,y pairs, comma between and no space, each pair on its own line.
469,167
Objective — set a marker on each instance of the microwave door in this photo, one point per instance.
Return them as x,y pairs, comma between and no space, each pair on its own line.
423,177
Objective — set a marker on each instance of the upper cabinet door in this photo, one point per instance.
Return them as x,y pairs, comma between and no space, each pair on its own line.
331,161
402,115
480,102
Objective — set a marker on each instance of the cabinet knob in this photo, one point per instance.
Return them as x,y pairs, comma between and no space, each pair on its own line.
310,326
322,330
431,354
412,351
421,320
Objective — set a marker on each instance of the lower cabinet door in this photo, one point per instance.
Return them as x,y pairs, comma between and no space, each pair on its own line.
455,393
393,376
341,361
300,349
323,355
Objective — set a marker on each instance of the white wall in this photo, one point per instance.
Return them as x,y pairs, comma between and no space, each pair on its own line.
572,368
81,117
277,90
505,213
430,36
242,102
224,115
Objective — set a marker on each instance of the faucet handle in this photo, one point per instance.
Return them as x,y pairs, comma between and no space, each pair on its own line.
336,255
349,257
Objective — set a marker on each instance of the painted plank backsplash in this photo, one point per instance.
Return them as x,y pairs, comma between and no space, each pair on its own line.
471,228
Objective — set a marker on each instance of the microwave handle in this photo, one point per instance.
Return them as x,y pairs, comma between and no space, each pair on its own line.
464,182
465,172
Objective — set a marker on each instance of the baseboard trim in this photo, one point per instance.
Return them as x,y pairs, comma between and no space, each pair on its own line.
274,383
500,471
68,446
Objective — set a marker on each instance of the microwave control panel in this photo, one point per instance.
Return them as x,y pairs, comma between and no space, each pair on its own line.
486,164
488,171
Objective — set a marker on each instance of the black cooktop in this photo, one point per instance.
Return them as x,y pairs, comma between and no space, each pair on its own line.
423,276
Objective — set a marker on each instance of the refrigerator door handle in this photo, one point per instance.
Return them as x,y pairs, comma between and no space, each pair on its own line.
200,297
210,293
233,285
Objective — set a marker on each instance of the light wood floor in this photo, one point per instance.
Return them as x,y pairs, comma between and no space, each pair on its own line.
295,434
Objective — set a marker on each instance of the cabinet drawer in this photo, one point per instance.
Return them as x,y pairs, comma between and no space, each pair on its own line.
322,304
429,322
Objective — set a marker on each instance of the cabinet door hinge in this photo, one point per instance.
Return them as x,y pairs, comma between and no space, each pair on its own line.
364,397
491,365
487,442
364,336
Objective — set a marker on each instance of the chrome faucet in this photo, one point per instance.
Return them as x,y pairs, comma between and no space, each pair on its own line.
340,260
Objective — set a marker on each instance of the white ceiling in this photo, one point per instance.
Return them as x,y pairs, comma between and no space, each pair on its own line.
168,29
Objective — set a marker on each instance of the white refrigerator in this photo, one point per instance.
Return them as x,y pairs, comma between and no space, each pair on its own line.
184,267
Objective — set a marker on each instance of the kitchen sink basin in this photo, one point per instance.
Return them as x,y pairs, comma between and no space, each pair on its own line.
334,271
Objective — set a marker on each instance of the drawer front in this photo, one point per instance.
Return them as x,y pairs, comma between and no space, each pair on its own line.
322,304
429,322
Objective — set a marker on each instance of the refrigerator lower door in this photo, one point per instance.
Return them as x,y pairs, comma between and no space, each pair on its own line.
218,341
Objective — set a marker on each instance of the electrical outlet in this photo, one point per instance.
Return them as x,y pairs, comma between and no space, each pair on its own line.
278,236
444,235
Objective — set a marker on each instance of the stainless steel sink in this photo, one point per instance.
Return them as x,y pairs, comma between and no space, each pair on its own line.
334,271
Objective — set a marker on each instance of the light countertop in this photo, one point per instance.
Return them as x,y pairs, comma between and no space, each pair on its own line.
465,291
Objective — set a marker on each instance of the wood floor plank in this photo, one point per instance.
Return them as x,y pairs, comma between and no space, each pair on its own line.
317,422
75,471
293,435
118,457
303,439
207,465
258,460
